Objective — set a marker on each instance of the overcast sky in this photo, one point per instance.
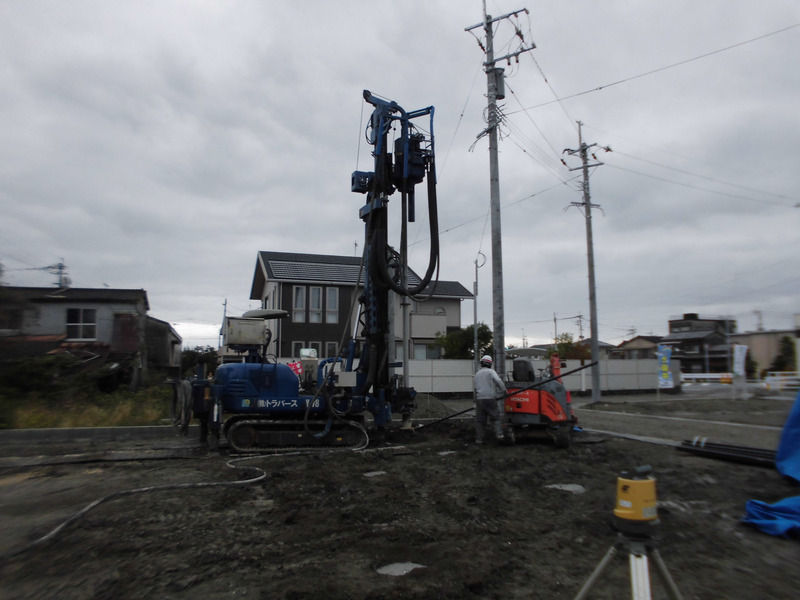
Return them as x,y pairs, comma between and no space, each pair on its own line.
162,144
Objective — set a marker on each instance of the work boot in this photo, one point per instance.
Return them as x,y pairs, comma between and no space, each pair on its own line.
498,431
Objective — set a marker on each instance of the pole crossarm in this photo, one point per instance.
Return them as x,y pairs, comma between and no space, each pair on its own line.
489,19
508,57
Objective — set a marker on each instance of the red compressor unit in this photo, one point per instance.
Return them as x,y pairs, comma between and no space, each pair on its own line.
538,406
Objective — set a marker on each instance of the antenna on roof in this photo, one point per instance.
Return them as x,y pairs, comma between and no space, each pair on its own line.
59,269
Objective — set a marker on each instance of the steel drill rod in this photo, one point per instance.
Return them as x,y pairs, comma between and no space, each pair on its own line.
530,387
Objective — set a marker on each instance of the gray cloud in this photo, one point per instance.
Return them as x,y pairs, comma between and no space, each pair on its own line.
160,145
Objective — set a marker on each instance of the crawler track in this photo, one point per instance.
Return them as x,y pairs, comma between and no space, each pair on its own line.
263,435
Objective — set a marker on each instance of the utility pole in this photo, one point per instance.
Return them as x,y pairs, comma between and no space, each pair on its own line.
555,329
587,211
220,337
495,92
475,314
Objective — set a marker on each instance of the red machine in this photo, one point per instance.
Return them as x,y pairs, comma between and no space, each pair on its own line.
539,406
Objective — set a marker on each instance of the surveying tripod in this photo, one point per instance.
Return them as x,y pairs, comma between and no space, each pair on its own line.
637,548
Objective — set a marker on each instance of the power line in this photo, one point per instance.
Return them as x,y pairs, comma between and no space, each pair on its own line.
507,205
702,189
658,70
561,104
749,189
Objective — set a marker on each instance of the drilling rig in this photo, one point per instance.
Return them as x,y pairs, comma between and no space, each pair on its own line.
257,404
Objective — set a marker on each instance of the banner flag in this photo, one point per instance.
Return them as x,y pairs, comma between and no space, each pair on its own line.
663,354
739,355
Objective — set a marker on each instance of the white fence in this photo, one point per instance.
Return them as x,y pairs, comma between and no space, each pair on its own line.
455,376
783,381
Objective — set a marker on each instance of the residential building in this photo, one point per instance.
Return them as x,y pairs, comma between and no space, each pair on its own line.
93,324
320,293
639,347
764,346
701,344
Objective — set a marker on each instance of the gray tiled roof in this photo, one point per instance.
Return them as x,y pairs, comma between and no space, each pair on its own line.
324,268
54,294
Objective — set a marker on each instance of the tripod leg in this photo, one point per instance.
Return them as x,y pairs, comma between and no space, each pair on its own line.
666,578
640,577
598,571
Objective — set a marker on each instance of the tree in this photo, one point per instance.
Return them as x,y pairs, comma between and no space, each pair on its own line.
567,348
193,357
460,344
786,360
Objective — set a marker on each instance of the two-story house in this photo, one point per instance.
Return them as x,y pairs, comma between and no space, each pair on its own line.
701,344
320,293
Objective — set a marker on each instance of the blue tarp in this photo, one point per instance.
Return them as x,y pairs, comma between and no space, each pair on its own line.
783,517
787,458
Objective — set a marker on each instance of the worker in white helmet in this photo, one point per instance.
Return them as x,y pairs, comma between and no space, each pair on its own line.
489,392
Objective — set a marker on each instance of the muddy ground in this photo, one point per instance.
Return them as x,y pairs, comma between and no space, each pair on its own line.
482,522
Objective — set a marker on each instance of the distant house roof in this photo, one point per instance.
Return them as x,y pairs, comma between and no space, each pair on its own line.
42,294
683,336
328,269
652,339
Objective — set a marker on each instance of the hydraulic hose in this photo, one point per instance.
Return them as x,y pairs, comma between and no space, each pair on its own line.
433,260
260,475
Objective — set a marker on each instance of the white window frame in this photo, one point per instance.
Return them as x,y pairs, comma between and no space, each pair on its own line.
316,346
315,304
331,349
332,305
85,320
296,346
299,304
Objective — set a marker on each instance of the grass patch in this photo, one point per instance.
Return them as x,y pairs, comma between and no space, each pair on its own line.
122,408
62,391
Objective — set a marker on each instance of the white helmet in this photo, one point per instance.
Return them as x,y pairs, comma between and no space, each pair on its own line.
486,360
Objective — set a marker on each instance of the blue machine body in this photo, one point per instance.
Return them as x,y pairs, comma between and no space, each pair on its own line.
261,388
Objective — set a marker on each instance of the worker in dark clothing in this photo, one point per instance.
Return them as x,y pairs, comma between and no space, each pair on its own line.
490,392
201,405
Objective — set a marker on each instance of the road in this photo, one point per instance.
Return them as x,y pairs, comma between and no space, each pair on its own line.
714,416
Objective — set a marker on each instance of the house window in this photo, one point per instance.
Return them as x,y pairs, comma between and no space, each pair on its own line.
427,352
332,305
296,347
299,304
81,324
331,349
316,346
315,305
434,352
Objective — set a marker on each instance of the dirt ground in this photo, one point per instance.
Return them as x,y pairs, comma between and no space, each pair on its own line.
481,522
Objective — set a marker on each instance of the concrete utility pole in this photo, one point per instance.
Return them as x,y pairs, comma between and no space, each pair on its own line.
475,313
587,211
495,92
